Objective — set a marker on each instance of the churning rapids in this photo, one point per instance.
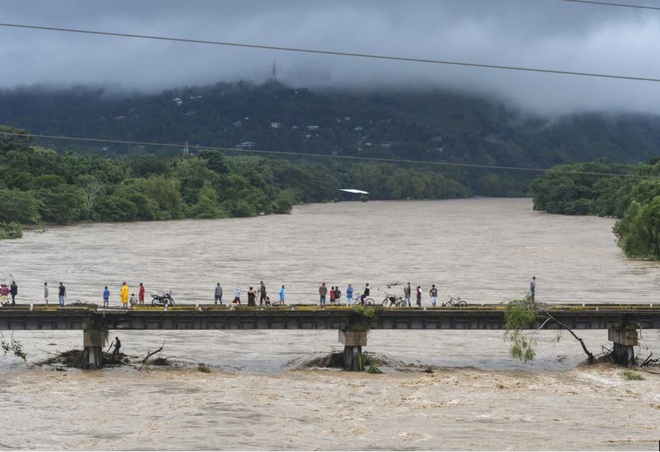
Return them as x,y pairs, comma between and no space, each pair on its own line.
262,394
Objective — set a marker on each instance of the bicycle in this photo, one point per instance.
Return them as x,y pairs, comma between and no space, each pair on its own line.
393,300
454,303
366,301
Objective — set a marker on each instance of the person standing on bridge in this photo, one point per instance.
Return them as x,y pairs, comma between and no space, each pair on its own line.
323,291
532,288
252,297
406,294
46,292
434,295
349,295
282,293
237,296
218,294
141,294
419,296
13,290
4,292
106,297
262,293
338,296
61,293
123,294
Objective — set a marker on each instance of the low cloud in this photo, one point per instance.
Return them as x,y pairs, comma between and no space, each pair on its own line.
544,34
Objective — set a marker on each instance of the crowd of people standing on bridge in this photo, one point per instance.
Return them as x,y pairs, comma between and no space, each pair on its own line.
327,295
332,294
125,295
252,293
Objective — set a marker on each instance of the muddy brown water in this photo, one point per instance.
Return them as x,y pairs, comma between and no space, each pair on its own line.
261,395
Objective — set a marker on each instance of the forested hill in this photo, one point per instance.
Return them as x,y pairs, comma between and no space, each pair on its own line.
418,125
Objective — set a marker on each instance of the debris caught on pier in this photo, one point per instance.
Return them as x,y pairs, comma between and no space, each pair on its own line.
75,359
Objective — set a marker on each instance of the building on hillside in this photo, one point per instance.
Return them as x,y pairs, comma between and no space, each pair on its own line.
246,145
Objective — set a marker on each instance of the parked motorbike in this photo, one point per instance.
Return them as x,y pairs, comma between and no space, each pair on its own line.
162,300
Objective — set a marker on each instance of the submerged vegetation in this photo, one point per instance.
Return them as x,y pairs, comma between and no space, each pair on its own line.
76,359
520,314
631,376
12,346
11,230
528,314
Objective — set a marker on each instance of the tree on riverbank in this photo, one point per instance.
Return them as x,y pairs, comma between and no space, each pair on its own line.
630,193
40,186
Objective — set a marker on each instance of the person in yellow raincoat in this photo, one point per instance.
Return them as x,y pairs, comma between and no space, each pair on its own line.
124,295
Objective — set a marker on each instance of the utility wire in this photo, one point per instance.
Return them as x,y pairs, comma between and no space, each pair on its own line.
621,5
336,53
326,156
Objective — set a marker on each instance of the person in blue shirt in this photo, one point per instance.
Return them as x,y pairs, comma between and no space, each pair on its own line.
282,295
106,297
349,295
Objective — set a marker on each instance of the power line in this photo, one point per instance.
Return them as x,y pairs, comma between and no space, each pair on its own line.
621,5
326,156
336,53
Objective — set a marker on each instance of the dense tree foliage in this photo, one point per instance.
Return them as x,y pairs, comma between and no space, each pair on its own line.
327,136
628,192
420,125
40,186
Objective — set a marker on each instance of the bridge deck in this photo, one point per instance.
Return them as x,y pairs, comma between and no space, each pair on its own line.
309,317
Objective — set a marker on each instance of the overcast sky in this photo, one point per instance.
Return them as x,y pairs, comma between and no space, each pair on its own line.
546,34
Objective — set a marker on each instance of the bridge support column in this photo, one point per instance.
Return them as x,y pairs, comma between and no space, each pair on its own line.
624,342
93,353
353,342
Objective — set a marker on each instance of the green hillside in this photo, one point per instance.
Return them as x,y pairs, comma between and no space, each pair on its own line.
464,144
418,125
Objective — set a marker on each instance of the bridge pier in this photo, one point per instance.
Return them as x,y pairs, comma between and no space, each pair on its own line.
624,345
93,340
353,342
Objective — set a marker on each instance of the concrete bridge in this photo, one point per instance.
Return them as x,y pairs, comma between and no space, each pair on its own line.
621,321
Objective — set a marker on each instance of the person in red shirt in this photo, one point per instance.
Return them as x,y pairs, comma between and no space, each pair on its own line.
4,292
141,294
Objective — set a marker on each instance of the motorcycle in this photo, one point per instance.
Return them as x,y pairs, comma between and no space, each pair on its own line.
162,300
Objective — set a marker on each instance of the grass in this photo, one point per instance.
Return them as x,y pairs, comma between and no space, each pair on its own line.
631,376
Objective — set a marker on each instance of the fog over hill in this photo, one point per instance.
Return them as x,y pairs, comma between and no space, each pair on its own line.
414,124
554,35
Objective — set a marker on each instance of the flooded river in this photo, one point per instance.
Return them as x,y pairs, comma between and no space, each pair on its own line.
261,394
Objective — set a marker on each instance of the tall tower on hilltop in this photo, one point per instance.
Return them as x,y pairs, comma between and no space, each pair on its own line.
273,74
